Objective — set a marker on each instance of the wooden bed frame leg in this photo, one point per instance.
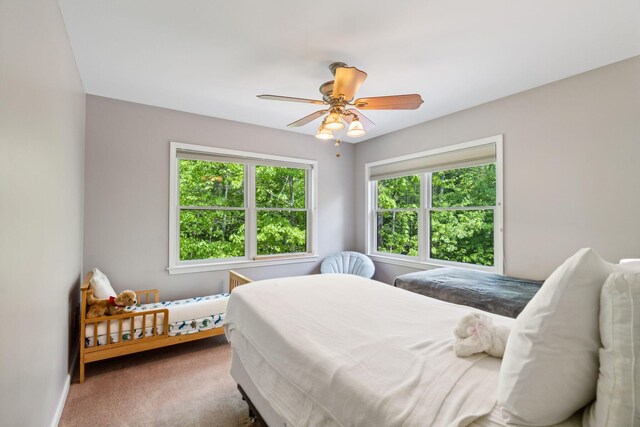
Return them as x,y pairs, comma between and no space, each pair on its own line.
81,371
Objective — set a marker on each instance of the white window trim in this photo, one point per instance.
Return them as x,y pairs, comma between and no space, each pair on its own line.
180,267
423,261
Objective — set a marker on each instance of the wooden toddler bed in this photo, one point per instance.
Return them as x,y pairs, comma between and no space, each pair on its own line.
147,325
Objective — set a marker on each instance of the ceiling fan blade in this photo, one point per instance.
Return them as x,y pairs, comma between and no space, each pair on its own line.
347,82
366,122
395,102
291,99
307,119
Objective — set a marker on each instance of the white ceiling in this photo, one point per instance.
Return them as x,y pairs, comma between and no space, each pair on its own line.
214,57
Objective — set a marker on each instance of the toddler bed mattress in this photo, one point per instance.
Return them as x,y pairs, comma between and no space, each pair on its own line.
186,316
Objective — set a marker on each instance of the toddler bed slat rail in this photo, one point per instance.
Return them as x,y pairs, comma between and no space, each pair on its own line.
147,293
157,320
236,279
131,317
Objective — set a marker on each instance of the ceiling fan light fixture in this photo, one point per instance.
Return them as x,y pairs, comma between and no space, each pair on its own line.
324,133
334,122
338,95
356,130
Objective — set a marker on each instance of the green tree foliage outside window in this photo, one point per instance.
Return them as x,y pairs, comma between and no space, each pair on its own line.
279,192
463,235
397,215
211,184
280,187
473,186
213,210
211,233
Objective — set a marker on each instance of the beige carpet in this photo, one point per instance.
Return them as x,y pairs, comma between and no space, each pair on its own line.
183,385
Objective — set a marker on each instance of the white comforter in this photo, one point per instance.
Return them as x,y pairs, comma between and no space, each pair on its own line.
340,350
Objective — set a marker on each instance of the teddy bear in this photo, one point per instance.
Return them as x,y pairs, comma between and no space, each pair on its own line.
111,306
476,333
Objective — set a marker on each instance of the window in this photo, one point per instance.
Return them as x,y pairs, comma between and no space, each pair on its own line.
231,208
282,212
398,204
438,207
212,212
461,220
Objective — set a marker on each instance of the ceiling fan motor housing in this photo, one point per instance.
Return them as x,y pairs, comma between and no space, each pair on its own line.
335,65
326,89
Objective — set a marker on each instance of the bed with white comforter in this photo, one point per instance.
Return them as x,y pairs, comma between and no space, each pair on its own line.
341,350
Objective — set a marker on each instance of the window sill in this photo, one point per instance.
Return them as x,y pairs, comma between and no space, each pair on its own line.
227,265
422,265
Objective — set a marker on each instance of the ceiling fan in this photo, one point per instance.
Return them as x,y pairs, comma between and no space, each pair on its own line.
338,95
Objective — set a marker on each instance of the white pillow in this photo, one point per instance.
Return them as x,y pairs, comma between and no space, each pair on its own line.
631,266
550,365
618,401
100,285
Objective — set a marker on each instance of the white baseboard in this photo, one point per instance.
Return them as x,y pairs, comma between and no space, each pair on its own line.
65,391
63,400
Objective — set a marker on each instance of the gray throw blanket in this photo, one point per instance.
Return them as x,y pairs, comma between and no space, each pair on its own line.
494,293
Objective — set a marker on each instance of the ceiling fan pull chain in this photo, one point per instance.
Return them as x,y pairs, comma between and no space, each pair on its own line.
337,144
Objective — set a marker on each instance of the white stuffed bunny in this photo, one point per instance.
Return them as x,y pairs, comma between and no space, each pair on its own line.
476,333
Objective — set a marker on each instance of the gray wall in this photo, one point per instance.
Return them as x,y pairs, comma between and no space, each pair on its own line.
127,192
41,184
571,166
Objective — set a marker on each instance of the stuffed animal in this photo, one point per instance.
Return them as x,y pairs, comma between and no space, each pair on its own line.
111,306
476,333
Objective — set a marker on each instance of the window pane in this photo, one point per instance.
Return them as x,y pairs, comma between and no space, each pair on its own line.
462,236
211,234
205,183
278,187
398,232
475,186
397,193
282,232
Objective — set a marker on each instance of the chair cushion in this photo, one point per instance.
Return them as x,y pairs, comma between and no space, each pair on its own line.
348,262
